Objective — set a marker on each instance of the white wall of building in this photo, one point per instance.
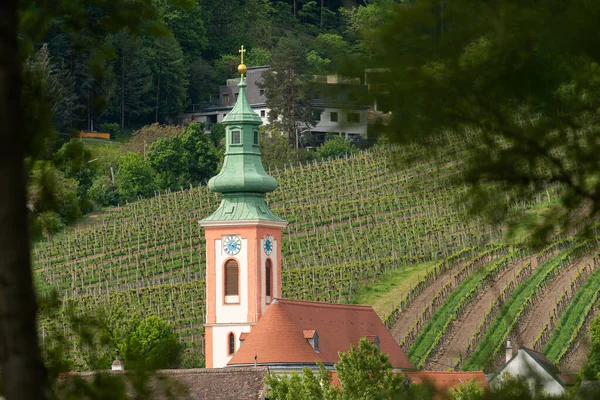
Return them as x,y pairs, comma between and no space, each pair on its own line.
342,125
539,379
231,313
221,342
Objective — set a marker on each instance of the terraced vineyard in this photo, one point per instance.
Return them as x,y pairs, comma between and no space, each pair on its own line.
351,221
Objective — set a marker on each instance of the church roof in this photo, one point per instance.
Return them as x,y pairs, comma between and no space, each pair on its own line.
279,338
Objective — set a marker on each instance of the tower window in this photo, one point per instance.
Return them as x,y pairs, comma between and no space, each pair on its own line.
235,137
232,282
255,137
268,271
231,344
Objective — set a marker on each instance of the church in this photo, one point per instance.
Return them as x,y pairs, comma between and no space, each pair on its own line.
247,321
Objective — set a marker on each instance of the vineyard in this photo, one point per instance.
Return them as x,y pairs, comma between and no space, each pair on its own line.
352,221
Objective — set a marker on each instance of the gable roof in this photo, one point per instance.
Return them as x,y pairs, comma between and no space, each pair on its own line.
279,336
197,384
541,360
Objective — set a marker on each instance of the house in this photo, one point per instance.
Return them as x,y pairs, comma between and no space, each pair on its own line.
339,104
539,372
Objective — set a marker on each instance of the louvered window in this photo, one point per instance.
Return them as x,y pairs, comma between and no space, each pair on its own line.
268,269
232,282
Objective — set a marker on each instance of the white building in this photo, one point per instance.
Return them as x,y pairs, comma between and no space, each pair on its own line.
336,100
536,369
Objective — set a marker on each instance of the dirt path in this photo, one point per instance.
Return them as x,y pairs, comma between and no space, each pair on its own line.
577,356
533,322
461,330
414,309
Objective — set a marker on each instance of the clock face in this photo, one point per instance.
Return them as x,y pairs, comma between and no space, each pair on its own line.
268,244
232,244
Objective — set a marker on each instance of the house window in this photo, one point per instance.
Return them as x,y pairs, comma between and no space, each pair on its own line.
235,137
232,282
231,344
333,116
354,118
268,269
226,98
317,116
255,137
263,113
262,92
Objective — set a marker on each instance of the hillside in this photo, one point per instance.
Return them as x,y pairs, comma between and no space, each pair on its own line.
352,223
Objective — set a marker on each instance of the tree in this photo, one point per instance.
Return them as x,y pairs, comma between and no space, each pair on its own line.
336,146
515,85
286,89
153,344
471,390
182,159
24,24
134,78
363,372
23,373
170,77
134,177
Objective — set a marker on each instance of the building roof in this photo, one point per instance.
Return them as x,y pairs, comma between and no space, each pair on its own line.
200,384
443,381
545,363
279,336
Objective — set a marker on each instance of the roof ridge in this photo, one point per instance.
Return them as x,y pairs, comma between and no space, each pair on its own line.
323,304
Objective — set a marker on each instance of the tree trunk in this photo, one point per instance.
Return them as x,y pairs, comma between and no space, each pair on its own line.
157,94
122,88
321,22
23,372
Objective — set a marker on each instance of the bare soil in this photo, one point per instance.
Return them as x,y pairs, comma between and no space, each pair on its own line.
414,309
577,356
531,325
461,330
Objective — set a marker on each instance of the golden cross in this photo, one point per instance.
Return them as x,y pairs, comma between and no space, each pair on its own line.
242,51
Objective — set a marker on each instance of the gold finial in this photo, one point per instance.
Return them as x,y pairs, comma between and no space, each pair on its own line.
242,66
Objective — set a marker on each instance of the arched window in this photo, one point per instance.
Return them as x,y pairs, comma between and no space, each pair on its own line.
232,294
231,343
268,271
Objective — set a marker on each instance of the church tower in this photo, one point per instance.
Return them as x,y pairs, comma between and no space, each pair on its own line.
243,237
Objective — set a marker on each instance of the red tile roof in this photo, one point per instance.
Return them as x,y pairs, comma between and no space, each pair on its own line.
279,336
443,381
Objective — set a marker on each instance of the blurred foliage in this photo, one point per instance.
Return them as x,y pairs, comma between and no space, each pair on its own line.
518,85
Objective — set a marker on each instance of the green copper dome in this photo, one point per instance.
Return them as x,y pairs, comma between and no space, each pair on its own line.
242,179
242,169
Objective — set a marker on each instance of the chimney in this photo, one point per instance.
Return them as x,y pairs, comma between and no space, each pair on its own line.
117,365
509,350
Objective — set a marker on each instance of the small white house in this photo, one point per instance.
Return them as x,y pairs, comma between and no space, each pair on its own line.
536,369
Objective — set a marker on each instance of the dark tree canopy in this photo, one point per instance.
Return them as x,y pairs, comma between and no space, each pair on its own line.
517,83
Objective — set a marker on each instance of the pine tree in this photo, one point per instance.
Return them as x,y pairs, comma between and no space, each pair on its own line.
170,79
286,88
134,78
